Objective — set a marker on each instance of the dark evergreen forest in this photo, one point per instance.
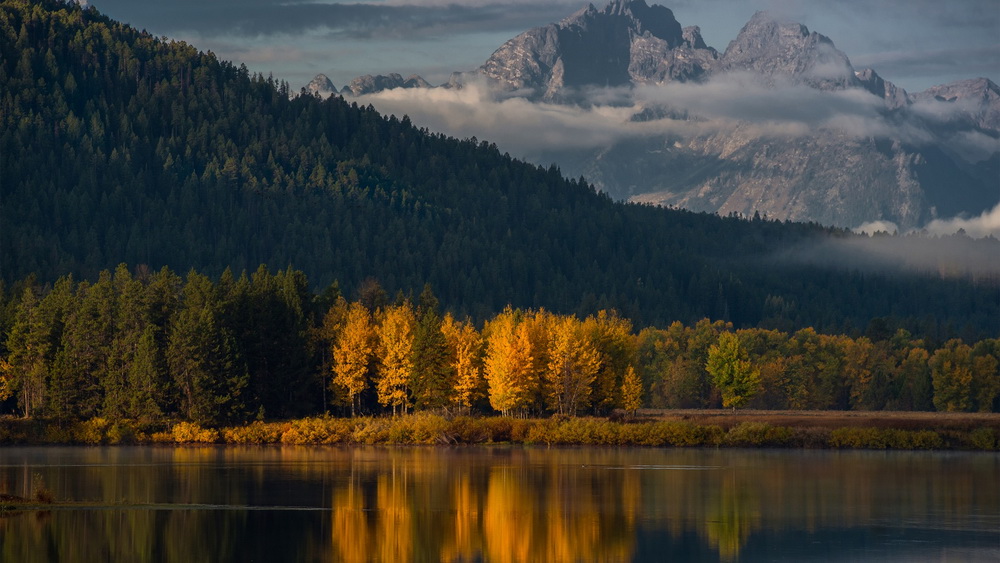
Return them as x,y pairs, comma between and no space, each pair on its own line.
119,146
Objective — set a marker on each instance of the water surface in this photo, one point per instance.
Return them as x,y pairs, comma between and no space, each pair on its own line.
226,503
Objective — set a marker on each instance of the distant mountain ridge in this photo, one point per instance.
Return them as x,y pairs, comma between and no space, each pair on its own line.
830,177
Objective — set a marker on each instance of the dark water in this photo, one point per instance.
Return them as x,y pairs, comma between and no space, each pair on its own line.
499,504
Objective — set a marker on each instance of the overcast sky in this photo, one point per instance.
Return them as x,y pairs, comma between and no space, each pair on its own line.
914,43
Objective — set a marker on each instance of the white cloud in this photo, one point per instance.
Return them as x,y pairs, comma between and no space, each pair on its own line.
736,102
987,224
873,227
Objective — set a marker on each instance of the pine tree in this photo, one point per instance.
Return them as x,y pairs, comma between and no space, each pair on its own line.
208,371
29,347
432,376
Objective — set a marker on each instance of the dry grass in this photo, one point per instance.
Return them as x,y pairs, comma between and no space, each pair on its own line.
900,420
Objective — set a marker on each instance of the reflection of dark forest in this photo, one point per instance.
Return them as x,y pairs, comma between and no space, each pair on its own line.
499,504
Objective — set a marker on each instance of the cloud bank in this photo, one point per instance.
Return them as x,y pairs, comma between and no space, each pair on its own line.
985,225
729,102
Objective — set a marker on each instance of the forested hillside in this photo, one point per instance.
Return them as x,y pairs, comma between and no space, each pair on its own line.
119,146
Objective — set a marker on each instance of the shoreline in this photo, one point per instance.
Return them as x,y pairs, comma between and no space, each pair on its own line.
650,428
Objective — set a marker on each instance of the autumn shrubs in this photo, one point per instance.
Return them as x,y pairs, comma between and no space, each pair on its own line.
432,429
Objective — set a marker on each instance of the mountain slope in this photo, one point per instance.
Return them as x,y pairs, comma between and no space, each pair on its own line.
118,146
780,123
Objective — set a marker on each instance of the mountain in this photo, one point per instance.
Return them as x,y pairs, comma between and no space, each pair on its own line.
977,101
894,96
780,123
321,86
122,147
773,48
627,42
369,84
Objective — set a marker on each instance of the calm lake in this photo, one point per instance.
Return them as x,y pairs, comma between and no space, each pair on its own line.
190,504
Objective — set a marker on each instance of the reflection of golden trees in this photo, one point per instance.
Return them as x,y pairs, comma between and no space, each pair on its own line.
509,518
499,504
351,537
734,515
395,518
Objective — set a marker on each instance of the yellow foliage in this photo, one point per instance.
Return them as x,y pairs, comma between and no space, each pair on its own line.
6,383
354,351
572,367
395,351
508,365
631,391
465,347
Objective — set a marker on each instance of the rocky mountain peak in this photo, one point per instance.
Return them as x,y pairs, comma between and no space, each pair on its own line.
370,84
894,96
642,18
773,47
976,100
321,86
624,43
692,37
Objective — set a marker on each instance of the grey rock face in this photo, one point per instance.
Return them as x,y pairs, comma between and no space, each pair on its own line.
773,48
321,86
627,42
976,100
371,84
894,96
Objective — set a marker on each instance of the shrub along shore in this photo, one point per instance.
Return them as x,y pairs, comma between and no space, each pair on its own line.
921,433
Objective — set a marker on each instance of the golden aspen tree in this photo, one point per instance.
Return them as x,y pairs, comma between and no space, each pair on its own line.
539,326
616,347
5,380
465,347
572,367
631,391
508,364
395,352
354,352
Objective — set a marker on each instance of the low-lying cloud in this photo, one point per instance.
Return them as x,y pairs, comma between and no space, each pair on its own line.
726,103
985,225
946,256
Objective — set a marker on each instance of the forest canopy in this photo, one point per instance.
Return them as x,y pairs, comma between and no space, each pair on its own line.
151,346
120,146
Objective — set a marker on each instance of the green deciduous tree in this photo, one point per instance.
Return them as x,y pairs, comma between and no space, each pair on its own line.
737,379
951,371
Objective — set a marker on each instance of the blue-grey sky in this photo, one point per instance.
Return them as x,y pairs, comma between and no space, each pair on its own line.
914,43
